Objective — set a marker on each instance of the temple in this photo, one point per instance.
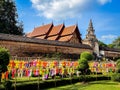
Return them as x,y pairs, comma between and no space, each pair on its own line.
49,39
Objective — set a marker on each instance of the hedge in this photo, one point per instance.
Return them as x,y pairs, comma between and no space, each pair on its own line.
116,77
58,82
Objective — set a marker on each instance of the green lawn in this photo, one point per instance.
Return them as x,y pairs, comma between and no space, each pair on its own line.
96,85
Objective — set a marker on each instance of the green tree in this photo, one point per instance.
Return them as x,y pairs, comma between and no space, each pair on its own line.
57,55
4,60
116,43
118,66
87,55
116,76
102,44
83,65
8,18
83,62
111,45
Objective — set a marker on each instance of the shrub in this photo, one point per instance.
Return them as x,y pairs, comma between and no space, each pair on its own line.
83,65
4,60
87,55
7,85
118,66
118,61
116,77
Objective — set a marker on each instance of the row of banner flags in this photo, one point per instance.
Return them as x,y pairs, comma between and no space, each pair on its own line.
40,63
103,67
36,67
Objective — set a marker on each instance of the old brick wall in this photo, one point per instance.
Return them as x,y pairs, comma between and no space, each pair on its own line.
23,49
112,54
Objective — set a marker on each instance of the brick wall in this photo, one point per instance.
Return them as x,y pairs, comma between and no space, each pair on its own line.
23,49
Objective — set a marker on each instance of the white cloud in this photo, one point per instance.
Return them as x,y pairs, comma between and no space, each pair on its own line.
108,38
63,8
104,1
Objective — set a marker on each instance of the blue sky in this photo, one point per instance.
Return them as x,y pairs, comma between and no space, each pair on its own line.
105,15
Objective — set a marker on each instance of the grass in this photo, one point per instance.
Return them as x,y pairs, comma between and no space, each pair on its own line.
96,85
1,86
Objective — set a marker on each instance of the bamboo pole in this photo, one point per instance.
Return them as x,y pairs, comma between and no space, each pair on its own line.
71,75
39,78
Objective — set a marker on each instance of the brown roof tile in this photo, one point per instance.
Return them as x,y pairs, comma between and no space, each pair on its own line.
65,38
28,34
56,30
52,38
41,37
68,30
51,32
41,30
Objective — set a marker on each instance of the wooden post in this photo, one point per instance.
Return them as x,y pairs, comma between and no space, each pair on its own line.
39,77
15,74
71,75
55,76
29,67
15,81
96,73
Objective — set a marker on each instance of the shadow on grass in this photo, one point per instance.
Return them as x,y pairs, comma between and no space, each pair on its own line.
70,87
104,83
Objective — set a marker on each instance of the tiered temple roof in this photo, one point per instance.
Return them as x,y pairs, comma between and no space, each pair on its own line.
58,32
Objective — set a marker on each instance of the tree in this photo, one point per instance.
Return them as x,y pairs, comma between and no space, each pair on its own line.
83,65
8,18
4,60
116,76
118,66
83,62
116,43
102,44
87,55
57,55
111,45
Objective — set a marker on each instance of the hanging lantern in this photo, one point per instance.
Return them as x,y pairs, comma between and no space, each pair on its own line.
20,64
38,63
13,64
64,63
44,64
23,64
109,65
34,63
68,63
71,64
90,64
16,64
95,64
114,65
103,65
75,64
55,63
